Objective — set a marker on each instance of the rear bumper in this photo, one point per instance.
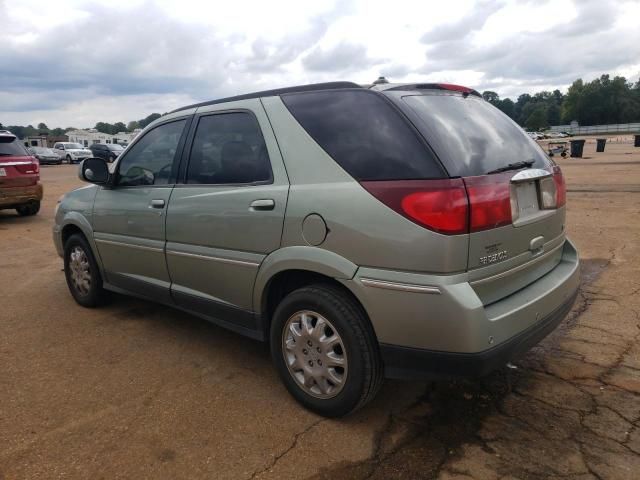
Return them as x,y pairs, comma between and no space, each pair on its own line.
414,363
14,196
430,326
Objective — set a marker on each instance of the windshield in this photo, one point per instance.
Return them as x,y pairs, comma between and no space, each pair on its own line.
115,147
471,136
41,150
13,148
72,145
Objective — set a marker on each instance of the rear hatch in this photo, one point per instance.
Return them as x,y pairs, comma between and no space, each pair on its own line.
17,167
516,194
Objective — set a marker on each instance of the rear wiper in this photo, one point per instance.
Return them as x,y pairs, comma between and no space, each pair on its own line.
512,166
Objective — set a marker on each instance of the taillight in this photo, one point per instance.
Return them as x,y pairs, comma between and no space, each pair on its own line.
29,168
561,187
489,200
462,205
439,205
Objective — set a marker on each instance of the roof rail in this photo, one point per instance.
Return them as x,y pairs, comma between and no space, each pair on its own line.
278,91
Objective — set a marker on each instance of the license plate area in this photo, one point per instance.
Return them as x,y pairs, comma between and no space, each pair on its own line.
526,195
3,172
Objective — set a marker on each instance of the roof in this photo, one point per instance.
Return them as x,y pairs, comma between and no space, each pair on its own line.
278,91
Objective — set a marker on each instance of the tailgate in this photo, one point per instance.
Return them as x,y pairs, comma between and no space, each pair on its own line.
506,259
18,171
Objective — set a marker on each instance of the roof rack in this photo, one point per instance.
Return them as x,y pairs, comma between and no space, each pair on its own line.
278,91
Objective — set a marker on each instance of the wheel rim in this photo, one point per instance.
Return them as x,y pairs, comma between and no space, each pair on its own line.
80,270
314,354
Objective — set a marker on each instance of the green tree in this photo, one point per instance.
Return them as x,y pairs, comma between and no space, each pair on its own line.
132,125
553,114
104,127
146,121
43,127
491,97
572,105
537,119
119,127
507,107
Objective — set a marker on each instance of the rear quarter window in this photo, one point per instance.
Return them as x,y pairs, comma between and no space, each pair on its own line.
364,134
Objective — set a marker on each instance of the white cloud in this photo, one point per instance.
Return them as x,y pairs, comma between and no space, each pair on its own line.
76,62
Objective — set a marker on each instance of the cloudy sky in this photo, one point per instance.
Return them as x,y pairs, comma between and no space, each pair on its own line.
76,62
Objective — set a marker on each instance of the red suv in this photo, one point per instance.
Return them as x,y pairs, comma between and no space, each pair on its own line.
20,186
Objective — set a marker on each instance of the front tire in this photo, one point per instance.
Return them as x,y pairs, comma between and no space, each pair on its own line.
82,273
325,350
28,209
69,159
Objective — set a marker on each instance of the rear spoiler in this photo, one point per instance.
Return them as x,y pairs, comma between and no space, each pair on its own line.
438,86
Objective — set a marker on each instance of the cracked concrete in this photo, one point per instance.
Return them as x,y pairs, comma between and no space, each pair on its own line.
137,390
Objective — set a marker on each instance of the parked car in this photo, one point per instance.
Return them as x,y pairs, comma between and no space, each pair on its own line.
72,152
362,232
46,155
20,187
106,151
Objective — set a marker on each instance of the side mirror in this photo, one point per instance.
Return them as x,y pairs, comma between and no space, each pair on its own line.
94,170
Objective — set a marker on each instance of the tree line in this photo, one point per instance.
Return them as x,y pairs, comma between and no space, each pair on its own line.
103,127
599,102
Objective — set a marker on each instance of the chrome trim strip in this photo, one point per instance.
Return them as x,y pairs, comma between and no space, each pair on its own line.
530,174
402,287
13,164
513,270
214,259
122,244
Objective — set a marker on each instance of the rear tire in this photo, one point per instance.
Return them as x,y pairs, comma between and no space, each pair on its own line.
28,209
321,323
82,273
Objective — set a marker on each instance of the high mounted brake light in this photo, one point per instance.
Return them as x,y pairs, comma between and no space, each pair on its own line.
439,86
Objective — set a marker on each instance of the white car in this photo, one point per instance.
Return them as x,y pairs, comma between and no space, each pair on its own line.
72,152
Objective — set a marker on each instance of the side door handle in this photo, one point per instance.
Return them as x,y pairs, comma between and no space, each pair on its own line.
158,203
262,204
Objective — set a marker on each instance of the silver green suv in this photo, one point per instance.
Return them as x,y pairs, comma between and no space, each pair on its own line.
407,231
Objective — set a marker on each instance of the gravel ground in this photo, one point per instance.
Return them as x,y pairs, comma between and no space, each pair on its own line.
136,390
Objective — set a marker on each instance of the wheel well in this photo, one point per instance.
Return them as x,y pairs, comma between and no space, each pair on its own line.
283,283
69,230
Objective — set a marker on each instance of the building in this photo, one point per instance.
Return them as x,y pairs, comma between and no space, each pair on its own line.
91,136
44,140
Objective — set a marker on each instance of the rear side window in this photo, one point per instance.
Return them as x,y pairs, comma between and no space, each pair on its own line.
12,148
228,148
471,136
364,134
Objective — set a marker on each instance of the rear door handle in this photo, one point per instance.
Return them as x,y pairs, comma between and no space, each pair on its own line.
159,203
262,204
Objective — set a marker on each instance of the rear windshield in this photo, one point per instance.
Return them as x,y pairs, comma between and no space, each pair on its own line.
12,148
364,134
471,136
